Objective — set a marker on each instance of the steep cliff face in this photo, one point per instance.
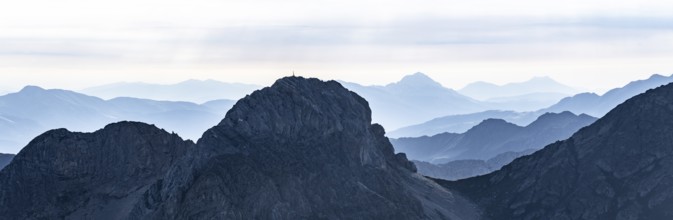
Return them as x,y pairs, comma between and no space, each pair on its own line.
300,149
99,175
620,167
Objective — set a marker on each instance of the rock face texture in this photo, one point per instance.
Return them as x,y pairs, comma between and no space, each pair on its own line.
620,167
492,137
300,149
99,175
5,159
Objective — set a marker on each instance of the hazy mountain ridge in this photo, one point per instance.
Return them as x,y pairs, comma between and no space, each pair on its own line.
414,99
617,168
488,91
197,91
33,110
492,137
462,123
461,169
598,105
583,103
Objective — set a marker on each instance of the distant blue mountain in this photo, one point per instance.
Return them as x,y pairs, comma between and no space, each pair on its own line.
414,99
538,85
33,110
461,169
599,105
492,137
197,91
462,123
583,103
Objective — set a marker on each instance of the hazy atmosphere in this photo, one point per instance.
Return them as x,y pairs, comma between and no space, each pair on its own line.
348,109
75,44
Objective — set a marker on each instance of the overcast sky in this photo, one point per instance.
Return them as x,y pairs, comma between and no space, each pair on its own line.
74,44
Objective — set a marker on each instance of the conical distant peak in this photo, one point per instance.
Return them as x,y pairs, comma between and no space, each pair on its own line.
418,79
29,89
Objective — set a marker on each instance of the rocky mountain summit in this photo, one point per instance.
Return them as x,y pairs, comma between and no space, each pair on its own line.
620,167
300,149
99,175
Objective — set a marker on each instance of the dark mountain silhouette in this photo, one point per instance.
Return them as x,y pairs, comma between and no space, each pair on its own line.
492,137
33,110
300,149
196,91
620,167
537,85
100,175
414,99
5,159
593,104
461,169
462,123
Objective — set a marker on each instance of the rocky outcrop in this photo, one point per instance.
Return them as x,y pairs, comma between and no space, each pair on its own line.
99,175
617,168
300,149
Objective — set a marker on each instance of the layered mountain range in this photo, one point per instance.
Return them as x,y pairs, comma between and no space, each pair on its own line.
462,169
196,91
307,149
597,105
617,168
492,137
583,103
414,99
33,110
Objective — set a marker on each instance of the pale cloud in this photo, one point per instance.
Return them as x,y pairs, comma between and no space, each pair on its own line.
370,41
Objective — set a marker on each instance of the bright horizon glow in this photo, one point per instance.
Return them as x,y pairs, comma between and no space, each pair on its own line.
74,44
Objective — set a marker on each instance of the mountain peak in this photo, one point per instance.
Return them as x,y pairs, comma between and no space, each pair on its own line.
32,89
287,143
490,125
298,106
419,79
559,114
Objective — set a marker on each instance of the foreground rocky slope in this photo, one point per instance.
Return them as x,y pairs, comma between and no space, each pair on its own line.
66,175
620,167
